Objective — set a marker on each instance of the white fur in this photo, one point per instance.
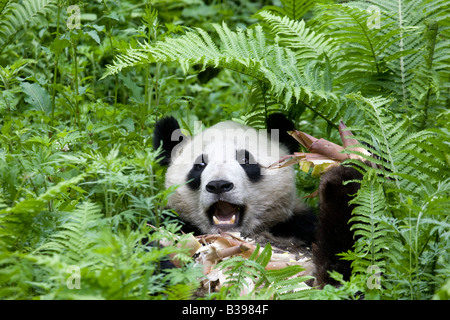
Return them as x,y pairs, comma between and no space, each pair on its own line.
268,201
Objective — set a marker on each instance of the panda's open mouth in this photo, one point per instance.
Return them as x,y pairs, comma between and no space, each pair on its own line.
225,215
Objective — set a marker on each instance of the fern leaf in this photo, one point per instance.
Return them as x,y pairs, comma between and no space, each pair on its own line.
262,103
372,235
74,237
384,130
287,285
3,6
15,276
408,53
397,150
296,36
248,53
16,219
363,51
295,9
180,291
18,15
131,58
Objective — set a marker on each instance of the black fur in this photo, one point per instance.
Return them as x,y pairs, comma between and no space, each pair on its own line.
302,226
194,176
333,234
163,135
283,124
248,163
166,126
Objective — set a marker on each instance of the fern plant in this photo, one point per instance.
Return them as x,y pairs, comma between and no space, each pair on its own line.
313,64
16,236
396,148
15,16
54,220
248,53
402,210
372,235
247,278
72,240
405,48
295,35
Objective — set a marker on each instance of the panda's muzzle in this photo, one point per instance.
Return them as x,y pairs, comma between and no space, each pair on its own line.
225,215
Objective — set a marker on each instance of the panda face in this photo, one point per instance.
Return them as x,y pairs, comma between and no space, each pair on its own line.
223,180
220,184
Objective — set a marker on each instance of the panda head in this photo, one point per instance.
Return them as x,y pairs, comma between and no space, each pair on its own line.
222,174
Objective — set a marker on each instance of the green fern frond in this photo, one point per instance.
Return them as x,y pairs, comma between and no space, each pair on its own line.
372,235
18,15
423,254
284,283
415,162
262,103
3,6
241,274
248,53
434,149
75,236
280,284
196,47
183,291
363,54
401,205
131,58
16,219
17,266
15,275
400,16
287,285
409,52
388,139
296,9
296,36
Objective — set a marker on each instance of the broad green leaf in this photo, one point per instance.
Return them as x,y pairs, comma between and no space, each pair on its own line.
37,97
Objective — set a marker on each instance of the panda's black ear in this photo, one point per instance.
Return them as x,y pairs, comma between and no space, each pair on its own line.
283,124
164,134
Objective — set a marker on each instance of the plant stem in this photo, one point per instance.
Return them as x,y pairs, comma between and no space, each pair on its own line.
116,85
77,106
55,67
109,33
146,94
149,92
333,125
430,38
402,63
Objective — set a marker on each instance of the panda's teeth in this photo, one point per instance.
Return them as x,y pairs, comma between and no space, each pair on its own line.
231,221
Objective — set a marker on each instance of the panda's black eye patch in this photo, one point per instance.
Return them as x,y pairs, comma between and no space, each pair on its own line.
244,157
194,176
249,164
200,162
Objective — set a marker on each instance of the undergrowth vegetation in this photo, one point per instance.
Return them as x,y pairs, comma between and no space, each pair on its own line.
83,82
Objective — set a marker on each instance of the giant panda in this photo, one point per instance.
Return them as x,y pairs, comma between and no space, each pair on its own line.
224,184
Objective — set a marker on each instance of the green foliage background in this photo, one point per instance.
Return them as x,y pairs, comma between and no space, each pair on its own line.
79,99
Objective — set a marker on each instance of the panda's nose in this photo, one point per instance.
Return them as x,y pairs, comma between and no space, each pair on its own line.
219,186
